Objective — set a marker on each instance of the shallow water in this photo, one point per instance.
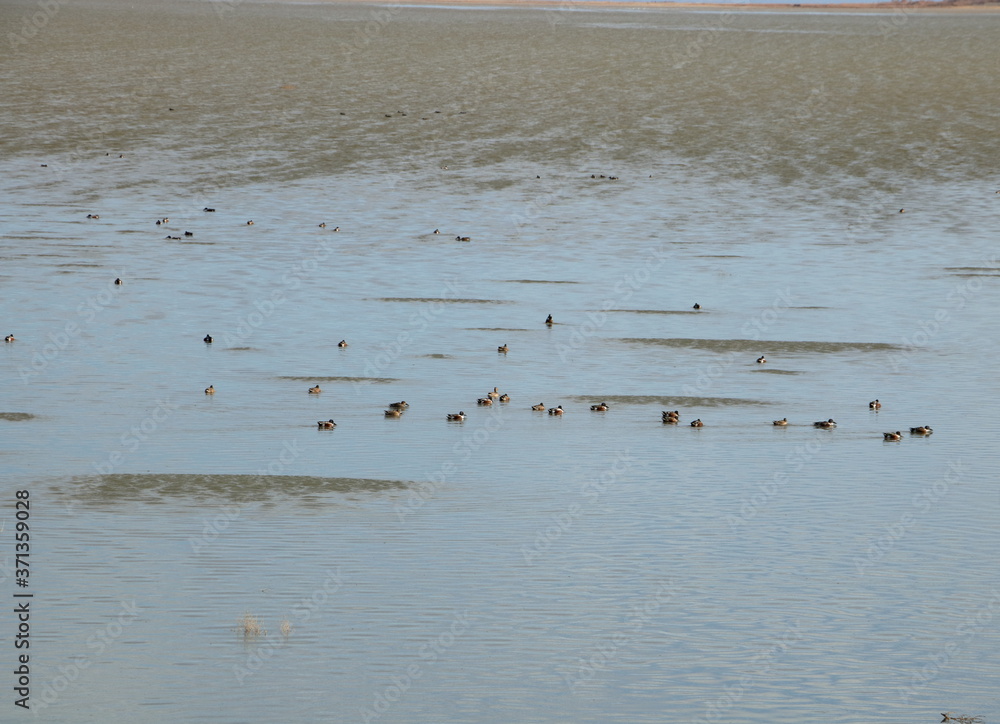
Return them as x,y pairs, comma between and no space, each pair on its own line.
516,566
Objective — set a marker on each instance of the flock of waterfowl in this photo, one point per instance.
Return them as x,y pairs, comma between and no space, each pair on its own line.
396,409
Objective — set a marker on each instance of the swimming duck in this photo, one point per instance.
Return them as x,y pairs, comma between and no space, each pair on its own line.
761,360
548,320
782,422
208,209
393,413
875,405
118,282
696,306
540,407
323,225
922,430
825,423
503,348
93,216
456,416
326,424
208,339
556,410
463,238
493,395
402,405
336,228
892,435
697,423
250,223
315,390
188,233
603,407
504,397
342,343
210,390
484,401
9,338
437,231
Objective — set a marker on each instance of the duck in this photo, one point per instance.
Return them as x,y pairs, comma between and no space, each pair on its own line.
922,430
463,238
402,405
503,349
761,360
393,413
484,401
556,410
540,407
548,320
315,390
93,216
437,231
9,338
323,225
456,416
188,233
336,228
118,282
825,423
892,435
326,424
206,209
875,405
603,407
493,395
697,423
208,339
696,306
250,223
504,397
781,423
210,390
342,343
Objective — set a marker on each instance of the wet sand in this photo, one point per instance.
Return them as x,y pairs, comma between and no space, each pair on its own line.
874,8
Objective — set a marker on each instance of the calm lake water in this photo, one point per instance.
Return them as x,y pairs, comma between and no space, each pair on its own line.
517,566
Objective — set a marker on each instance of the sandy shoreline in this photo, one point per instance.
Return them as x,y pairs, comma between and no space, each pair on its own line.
667,5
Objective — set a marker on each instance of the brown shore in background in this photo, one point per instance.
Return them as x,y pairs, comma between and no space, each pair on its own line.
919,6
